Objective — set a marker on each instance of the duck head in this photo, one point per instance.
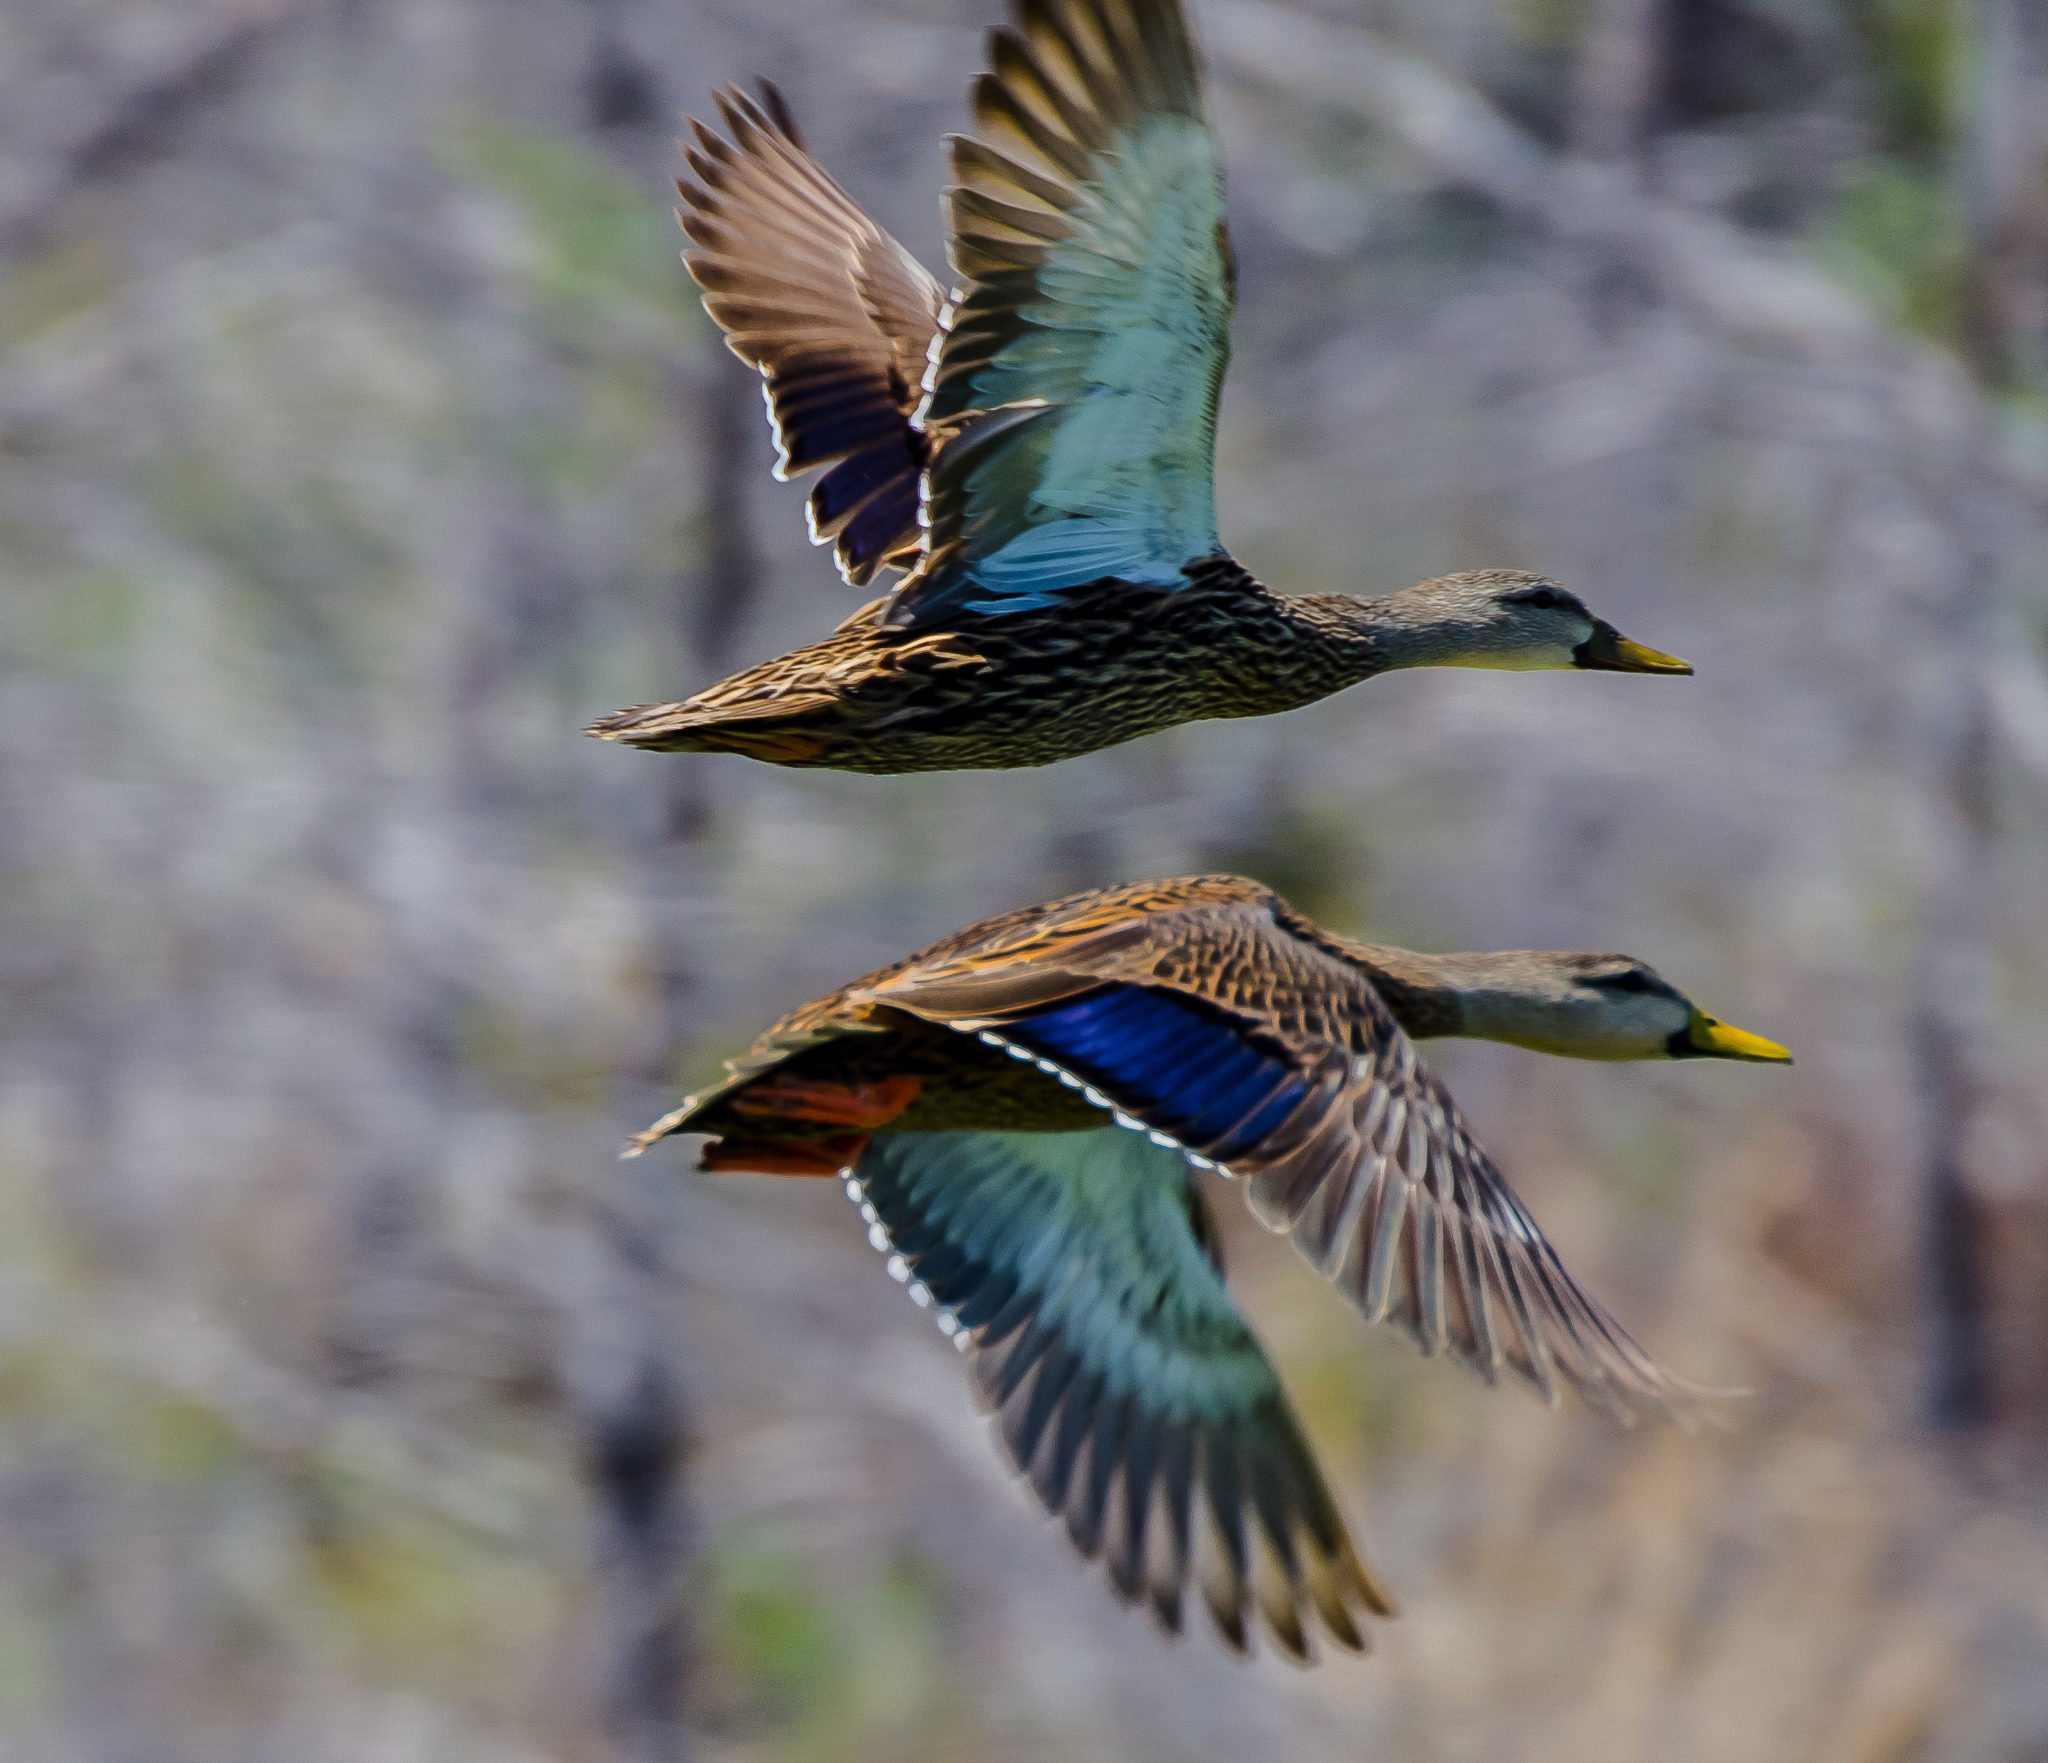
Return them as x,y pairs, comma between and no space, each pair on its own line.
1591,1007
1507,619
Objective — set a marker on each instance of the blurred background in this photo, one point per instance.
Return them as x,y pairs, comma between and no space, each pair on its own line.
360,440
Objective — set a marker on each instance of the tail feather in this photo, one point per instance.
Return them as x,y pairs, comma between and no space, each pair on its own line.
761,727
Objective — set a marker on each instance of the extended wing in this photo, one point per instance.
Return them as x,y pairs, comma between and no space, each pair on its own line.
835,313
1213,1030
1073,395
1127,1388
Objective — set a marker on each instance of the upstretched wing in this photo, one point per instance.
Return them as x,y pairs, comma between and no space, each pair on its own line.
1073,395
1126,1386
1214,1030
835,313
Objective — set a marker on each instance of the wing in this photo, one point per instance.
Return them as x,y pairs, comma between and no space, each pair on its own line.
809,1025
1074,389
835,313
1216,1032
1074,1269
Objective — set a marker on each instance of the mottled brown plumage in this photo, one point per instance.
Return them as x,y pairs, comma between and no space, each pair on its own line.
1037,451
835,314
1113,662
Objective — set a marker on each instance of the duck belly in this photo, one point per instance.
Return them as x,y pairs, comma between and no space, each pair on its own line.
970,718
930,1081
1109,664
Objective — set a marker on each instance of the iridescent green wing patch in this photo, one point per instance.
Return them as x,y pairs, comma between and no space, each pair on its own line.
1076,1269
1073,391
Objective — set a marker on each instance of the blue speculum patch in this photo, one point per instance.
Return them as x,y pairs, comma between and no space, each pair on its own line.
1180,1067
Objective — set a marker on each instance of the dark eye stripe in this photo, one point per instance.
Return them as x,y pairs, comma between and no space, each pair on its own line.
1622,982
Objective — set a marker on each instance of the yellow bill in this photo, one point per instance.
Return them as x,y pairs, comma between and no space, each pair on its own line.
1608,651
1706,1037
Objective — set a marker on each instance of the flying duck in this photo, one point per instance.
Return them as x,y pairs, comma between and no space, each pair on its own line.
1035,449
1020,1112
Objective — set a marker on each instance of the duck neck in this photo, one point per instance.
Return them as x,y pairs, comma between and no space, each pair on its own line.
1424,993
1427,994
1364,636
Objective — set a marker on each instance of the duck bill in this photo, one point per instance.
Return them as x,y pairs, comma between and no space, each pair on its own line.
1707,1038
1608,651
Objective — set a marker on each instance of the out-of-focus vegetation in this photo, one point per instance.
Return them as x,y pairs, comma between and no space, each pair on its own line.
359,440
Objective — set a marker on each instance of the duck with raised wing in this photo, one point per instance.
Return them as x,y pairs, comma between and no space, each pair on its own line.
1036,449
971,1096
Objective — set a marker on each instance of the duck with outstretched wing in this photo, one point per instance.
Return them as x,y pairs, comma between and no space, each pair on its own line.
1022,1110
1035,450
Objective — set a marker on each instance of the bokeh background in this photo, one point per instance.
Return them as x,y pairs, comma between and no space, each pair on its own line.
359,440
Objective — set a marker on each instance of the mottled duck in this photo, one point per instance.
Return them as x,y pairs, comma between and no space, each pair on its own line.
971,1096
1035,449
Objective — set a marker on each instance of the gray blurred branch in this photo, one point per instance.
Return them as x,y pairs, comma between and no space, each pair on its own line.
1743,286
1617,77
139,119
636,1442
1998,164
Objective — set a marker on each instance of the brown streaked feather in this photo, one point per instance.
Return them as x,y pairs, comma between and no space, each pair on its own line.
1111,662
837,316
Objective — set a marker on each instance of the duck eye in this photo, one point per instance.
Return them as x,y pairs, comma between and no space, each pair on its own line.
1542,599
1627,982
